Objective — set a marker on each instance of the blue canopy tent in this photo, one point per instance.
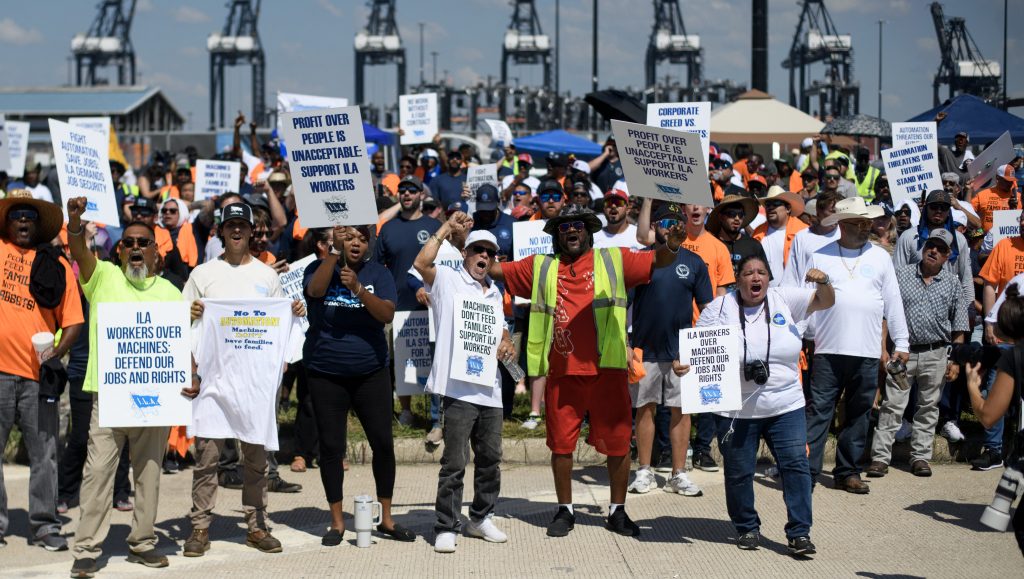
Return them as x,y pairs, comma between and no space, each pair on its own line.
557,142
375,135
968,113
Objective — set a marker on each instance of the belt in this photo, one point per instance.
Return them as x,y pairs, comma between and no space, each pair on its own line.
918,348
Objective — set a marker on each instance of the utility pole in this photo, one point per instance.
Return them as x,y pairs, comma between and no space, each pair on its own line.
1006,65
433,54
880,23
421,54
593,84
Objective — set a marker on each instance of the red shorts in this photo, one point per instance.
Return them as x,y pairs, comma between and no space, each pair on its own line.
605,397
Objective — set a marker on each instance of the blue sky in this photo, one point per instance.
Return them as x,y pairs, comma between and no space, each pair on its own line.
309,45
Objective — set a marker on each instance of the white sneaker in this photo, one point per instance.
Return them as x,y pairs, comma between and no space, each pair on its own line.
682,484
486,530
903,434
405,418
951,431
532,422
444,543
643,481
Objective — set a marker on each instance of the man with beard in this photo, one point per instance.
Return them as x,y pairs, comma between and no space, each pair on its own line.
487,217
577,338
448,188
25,310
728,222
619,232
103,282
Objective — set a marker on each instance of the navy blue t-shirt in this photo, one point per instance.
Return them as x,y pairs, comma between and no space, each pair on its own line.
343,338
398,244
448,189
502,230
665,306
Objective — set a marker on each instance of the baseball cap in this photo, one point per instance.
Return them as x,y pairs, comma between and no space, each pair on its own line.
525,158
617,193
487,197
482,236
582,166
756,178
236,211
669,210
411,180
181,162
279,177
144,205
557,160
712,152
550,185
940,234
807,142
938,196
1006,172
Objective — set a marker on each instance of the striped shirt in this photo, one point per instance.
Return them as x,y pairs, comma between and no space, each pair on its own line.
933,310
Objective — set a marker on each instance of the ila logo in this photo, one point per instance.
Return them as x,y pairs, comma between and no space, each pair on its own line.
422,236
682,271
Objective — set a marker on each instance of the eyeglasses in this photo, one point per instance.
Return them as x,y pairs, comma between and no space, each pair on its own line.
667,223
140,242
773,204
478,249
571,226
549,197
28,214
166,210
734,213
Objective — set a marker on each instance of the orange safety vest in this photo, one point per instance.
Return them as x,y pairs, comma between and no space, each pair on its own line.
187,247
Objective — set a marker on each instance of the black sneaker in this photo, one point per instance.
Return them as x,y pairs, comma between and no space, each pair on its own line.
148,558
333,538
52,542
563,522
703,461
748,541
988,460
664,464
801,546
279,485
84,568
230,479
619,522
171,465
3,542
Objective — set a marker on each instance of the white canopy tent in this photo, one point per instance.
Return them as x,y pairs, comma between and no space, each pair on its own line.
758,118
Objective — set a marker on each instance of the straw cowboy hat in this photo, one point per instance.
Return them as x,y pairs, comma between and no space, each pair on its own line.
795,202
749,205
853,208
51,218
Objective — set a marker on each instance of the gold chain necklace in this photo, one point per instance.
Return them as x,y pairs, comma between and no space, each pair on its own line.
850,270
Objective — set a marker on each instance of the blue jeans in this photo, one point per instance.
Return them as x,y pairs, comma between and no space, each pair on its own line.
786,436
994,435
662,424
705,432
833,375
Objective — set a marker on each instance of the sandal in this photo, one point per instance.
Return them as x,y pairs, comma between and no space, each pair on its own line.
398,533
298,464
333,538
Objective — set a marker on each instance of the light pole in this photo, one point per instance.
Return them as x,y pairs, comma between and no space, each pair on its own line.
1006,93
433,55
421,54
880,23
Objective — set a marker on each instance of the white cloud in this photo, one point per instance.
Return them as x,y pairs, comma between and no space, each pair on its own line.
190,15
331,8
145,6
12,33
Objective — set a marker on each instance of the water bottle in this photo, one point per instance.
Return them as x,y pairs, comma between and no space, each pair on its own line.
365,519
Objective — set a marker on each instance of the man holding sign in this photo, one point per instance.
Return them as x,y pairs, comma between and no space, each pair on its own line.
577,338
471,338
103,282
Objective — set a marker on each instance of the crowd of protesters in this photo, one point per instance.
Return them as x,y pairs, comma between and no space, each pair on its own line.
849,304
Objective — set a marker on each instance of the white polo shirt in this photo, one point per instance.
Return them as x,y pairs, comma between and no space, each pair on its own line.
448,285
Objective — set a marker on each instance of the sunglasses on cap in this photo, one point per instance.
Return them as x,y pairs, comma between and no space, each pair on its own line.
27,213
477,249
667,223
571,226
773,204
548,197
140,242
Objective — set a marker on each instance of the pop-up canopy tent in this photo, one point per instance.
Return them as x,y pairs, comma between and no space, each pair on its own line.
758,118
982,121
557,142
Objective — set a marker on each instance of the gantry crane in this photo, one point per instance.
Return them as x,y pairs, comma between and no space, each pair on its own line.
107,43
379,43
525,43
962,67
669,41
817,40
238,43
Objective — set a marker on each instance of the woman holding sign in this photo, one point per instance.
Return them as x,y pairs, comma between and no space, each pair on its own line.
350,299
773,400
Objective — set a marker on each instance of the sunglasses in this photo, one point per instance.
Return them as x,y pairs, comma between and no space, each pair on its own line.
260,234
773,204
166,210
478,249
19,214
518,193
831,177
667,223
943,249
408,189
140,242
571,226
942,207
808,179
615,203
902,212
734,213
548,197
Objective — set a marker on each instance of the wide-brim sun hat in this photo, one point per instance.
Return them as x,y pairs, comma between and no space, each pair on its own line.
51,218
853,208
795,202
748,204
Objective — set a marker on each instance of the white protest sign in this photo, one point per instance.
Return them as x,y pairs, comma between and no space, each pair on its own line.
713,382
83,168
1005,224
417,115
291,283
528,238
215,178
17,146
478,327
689,117
988,161
911,170
5,151
98,124
478,175
410,334
330,168
144,359
663,164
500,132
289,102
447,255
904,134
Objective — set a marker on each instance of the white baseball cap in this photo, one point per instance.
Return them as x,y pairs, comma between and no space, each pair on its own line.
580,165
482,236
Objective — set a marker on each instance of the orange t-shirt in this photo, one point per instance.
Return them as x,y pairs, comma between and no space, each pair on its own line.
267,258
796,182
574,342
740,166
987,201
1005,261
21,317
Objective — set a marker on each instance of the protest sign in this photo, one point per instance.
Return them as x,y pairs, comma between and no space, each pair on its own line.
1005,224
713,382
291,283
330,167
215,178
417,115
663,164
447,255
410,334
98,124
17,146
984,166
478,175
478,327
904,134
912,170
5,152
288,102
500,132
688,117
143,360
83,169
528,238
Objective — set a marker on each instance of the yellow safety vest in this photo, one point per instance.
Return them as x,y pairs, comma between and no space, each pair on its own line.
609,311
866,188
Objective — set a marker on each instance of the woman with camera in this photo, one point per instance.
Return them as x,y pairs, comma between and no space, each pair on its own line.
773,400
